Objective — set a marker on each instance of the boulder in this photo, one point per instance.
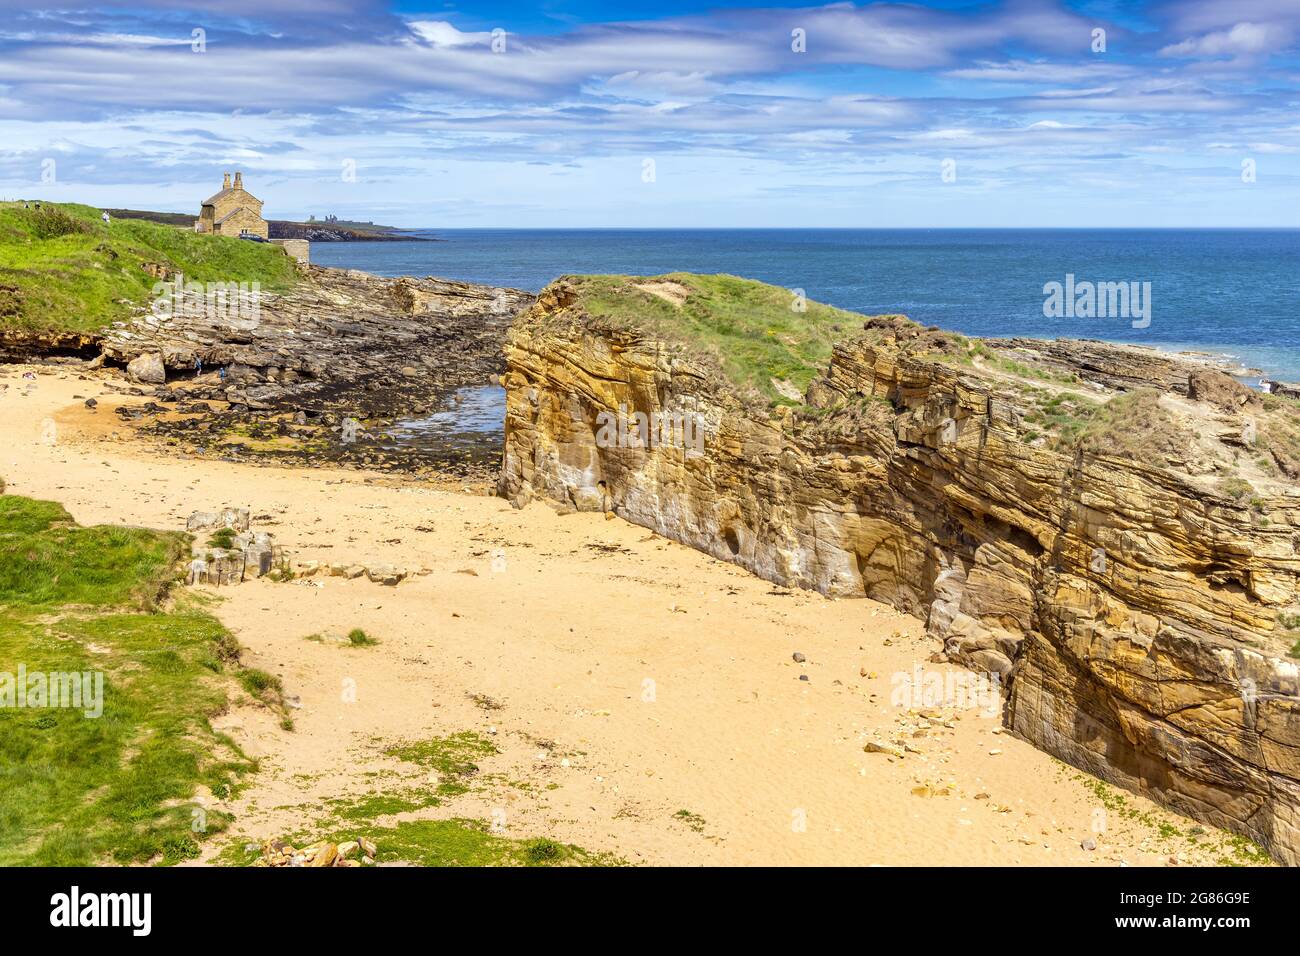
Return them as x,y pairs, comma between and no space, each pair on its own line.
386,574
1221,390
236,519
147,369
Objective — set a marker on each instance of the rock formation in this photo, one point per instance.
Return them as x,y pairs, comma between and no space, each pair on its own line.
337,332
1067,516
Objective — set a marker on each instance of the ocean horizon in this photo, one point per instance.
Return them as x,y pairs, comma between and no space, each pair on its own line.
1232,293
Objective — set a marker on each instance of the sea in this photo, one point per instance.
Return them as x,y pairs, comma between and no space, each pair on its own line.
1230,293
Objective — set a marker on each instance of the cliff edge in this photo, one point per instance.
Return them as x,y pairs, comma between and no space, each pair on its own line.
1112,532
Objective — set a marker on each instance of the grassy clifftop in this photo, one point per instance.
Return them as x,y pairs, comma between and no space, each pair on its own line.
62,269
762,335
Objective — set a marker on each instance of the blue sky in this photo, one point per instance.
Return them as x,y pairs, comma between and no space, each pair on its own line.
666,113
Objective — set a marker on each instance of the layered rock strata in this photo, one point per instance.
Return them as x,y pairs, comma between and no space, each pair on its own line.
1130,577
337,332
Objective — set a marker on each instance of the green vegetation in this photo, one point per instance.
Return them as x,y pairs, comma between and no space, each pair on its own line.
1134,425
1238,489
1279,435
262,686
359,638
1229,849
692,820
120,787
452,757
372,806
63,269
1064,417
749,328
460,842
455,842
225,538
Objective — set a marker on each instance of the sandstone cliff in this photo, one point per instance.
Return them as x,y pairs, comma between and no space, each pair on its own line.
1113,532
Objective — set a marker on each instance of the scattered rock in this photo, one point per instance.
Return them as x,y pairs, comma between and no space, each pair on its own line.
280,853
877,747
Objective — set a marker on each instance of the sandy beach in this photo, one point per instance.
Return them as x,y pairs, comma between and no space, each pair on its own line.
645,698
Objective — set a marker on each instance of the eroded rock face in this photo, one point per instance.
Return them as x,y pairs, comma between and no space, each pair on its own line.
1130,608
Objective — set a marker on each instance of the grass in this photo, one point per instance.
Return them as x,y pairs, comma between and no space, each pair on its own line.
1064,417
452,757
691,819
359,638
225,538
1279,434
47,560
62,269
749,328
1135,426
453,842
462,842
121,787
364,810
1230,849
262,686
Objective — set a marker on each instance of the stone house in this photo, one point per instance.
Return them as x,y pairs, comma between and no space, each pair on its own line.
232,212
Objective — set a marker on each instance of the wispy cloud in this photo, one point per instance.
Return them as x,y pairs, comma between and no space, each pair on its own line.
744,102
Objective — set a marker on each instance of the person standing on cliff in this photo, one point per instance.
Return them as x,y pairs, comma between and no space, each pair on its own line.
198,365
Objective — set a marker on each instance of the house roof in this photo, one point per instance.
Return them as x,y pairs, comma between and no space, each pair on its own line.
217,197
212,200
237,209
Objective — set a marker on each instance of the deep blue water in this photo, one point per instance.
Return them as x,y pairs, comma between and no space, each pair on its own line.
1231,292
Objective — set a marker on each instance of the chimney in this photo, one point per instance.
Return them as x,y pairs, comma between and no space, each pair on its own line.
239,180
225,182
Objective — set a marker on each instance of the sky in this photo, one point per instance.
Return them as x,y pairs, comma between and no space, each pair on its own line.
664,113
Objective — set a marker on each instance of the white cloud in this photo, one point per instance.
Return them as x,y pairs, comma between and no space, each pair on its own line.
1243,39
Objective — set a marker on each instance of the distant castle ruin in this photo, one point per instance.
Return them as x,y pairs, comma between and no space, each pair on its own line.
232,212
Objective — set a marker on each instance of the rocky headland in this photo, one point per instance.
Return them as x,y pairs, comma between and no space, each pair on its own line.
1112,533
312,374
